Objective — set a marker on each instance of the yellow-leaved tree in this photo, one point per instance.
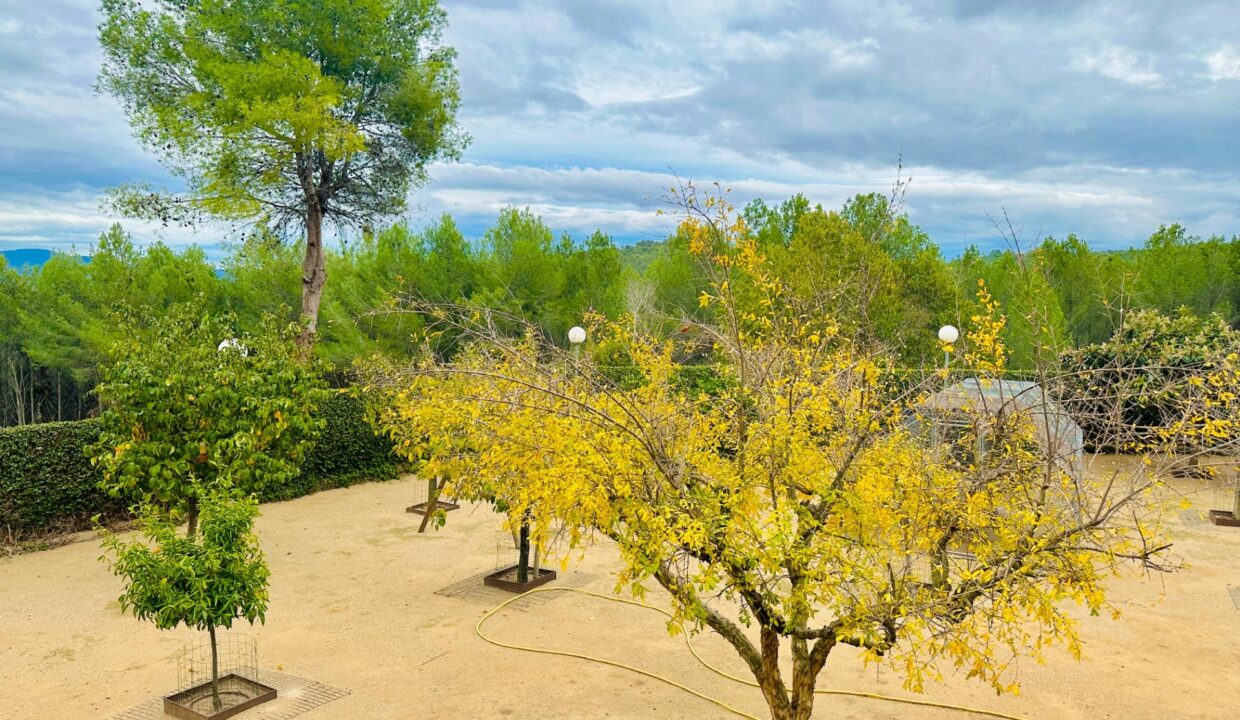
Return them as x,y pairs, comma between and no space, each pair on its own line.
779,484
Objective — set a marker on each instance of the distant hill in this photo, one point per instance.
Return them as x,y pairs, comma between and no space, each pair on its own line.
26,257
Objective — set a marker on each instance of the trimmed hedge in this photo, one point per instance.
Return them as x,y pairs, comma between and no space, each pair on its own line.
47,483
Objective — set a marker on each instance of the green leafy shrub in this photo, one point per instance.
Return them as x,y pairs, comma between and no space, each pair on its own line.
1149,365
347,452
203,582
189,403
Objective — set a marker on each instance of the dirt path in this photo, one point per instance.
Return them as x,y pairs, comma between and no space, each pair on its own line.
354,605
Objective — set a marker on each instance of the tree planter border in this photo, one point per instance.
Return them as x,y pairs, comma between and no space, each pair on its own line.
497,580
1224,518
174,708
420,508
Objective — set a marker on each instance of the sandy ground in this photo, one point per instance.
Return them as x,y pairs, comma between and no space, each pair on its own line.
353,605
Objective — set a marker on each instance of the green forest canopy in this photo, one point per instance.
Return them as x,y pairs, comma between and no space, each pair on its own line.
880,275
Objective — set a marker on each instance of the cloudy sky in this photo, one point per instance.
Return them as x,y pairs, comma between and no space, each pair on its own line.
1101,118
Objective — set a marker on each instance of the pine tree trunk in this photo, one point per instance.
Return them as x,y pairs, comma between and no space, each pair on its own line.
18,405
215,671
313,278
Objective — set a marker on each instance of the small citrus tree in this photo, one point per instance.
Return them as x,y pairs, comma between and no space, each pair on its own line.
189,405
793,497
203,582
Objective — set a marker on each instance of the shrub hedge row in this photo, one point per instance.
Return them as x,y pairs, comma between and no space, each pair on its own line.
47,483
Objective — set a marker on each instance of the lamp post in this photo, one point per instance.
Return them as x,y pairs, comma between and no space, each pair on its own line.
948,334
576,336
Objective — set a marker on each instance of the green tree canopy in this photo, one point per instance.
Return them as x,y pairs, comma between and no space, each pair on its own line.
1178,270
1089,285
867,265
284,111
189,406
1036,329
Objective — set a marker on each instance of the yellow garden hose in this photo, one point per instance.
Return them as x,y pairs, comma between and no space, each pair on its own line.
707,665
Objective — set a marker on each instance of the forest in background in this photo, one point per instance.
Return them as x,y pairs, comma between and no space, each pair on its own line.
882,278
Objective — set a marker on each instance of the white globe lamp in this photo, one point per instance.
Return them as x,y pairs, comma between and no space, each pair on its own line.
232,344
576,336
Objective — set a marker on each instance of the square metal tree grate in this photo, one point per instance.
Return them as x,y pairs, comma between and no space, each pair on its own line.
297,696
473,588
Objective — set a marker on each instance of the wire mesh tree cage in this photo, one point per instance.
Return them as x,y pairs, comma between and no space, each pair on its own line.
506,551
237,652
422,494
920,568
508,574
234,662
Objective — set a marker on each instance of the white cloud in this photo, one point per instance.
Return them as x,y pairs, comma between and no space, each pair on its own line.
1224,63
839,54
1119,63
618,86
582,112
73,220
1108,206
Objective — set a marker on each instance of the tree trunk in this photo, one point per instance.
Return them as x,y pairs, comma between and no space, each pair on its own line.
523,553
763,661
770,682
215,671
18,404
432,501
313,278
192,514
806,665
